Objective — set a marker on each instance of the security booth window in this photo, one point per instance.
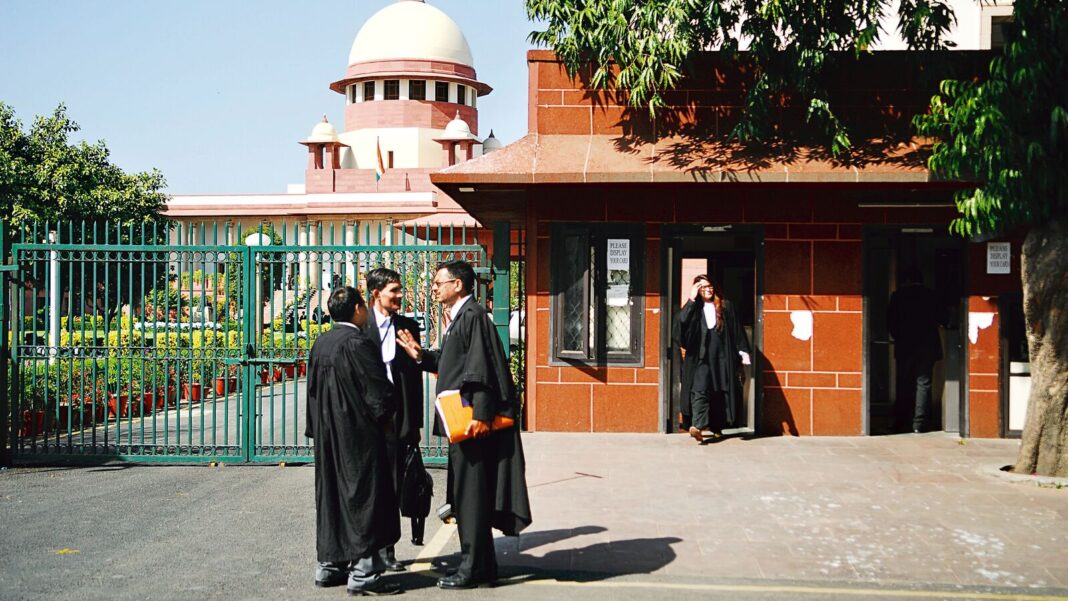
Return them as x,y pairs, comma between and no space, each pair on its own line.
597,294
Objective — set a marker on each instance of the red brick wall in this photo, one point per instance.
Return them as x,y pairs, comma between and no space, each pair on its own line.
984,362
813,253
813,262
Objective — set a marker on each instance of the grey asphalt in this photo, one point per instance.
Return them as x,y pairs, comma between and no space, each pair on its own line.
620,516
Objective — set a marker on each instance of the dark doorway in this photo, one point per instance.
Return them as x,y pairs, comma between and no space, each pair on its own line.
888,253
732,256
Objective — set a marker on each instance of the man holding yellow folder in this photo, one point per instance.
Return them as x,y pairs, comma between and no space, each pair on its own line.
487,482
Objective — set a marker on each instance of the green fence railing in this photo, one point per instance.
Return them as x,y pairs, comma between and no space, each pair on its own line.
188,343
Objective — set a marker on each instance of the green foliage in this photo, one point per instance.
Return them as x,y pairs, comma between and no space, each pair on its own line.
1009,132
44,176
645,47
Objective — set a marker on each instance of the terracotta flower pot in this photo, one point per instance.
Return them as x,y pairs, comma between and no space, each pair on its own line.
278,374
265,377
118,406
33,421
225,385
147,402
289,370
302,369
192,392
67,415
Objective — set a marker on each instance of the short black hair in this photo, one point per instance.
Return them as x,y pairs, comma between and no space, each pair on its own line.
462,271
378,279
343,302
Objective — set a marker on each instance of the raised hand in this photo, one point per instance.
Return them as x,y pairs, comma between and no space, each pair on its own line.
696,288
409,344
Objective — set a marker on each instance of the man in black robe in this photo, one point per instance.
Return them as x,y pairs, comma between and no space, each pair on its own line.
487,481
384,320
348,413
716,347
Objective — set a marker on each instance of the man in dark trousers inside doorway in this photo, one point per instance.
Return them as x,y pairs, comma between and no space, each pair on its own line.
913,317
384,320
487,482
350,409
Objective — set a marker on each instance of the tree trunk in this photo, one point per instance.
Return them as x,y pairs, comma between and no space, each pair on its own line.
1044,269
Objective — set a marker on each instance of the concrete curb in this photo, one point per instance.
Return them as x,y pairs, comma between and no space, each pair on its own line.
1000,472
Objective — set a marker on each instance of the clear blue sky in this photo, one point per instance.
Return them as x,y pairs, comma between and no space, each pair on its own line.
216,93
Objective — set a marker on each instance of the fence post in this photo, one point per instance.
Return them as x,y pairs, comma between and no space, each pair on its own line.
502,262
7,420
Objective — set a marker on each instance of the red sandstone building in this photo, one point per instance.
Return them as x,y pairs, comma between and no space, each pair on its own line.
619,213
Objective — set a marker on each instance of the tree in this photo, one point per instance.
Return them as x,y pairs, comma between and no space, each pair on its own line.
790,43
49,184
43,176
1008,132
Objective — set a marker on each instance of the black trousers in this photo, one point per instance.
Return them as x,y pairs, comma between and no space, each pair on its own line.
913,402
472,479
709,406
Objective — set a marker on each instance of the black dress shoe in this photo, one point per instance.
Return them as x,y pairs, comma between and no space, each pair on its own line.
456,581
378,588
395,566
335,579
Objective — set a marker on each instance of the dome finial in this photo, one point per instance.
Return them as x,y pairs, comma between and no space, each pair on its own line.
325,120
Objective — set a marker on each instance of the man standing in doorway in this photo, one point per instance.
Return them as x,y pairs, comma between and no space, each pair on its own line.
349,409
913,317
487,482
386,292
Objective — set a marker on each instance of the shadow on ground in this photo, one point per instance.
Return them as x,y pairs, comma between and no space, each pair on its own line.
595,562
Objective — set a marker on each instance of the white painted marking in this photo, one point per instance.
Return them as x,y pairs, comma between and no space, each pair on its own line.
802,321
978,321
433,548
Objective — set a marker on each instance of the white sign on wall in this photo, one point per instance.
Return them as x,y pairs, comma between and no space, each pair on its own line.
618,291
619,254
998,257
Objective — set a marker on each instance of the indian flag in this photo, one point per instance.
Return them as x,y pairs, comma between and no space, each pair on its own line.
380,167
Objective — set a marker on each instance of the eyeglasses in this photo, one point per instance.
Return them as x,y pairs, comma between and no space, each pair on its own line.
436,283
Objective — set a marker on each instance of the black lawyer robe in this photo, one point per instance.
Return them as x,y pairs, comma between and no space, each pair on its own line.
689,331
349,405
407,396
913,317
407,380
472,360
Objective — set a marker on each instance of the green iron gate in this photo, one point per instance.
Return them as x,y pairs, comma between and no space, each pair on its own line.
189,344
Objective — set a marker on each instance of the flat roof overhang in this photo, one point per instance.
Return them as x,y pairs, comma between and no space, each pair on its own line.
500,185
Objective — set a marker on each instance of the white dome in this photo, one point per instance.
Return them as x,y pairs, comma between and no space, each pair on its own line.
491,143
323,132
458,129
411,29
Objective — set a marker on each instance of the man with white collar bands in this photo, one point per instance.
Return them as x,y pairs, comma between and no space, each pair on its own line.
386,293
487,482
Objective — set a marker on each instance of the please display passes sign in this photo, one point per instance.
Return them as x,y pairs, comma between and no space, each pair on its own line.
619,254
998,257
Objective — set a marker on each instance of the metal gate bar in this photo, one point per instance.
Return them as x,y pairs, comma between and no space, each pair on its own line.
186,343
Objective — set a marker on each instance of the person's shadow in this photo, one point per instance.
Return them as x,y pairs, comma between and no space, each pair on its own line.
598,561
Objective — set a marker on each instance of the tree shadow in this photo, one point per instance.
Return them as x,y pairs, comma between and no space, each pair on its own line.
873,97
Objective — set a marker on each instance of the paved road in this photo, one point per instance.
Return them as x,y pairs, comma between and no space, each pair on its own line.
619,516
